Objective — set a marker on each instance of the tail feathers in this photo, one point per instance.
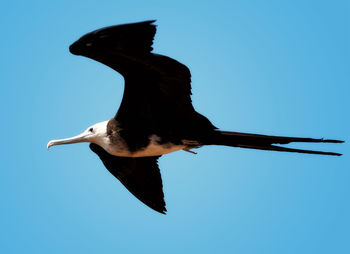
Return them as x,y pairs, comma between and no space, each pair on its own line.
264,142
286,149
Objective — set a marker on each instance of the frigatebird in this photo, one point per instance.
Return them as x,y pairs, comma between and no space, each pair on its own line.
156,115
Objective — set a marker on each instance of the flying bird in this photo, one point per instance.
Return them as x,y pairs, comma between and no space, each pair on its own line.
156,115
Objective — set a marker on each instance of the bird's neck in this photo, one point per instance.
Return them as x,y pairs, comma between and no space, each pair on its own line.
100,138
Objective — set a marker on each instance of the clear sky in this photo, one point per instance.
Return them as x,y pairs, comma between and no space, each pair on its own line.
269,67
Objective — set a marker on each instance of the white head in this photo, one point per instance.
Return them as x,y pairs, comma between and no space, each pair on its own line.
96,133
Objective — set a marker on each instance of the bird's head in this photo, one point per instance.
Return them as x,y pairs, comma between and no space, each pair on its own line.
94,134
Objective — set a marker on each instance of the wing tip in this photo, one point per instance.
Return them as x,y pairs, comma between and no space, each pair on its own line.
151,21
160,208
147,22
163,211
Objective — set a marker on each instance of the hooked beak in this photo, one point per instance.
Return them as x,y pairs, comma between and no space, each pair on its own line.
76,139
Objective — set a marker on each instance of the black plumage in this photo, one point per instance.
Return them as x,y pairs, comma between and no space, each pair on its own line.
141,176
157,101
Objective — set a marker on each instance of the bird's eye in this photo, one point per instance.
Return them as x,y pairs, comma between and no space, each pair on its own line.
91,129
89,44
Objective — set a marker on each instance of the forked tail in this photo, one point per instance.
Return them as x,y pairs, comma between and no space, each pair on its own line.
264,142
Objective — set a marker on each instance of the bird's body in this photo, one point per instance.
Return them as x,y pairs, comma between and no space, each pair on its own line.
156,115
152,145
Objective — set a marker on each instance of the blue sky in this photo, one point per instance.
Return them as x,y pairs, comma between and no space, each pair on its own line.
269,67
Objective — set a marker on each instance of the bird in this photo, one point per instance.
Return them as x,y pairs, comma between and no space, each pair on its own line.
156,115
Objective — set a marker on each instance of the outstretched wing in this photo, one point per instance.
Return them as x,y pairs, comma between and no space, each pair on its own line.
141,176
117,46
157,94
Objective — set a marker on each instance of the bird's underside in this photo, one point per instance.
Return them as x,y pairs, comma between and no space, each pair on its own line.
156,115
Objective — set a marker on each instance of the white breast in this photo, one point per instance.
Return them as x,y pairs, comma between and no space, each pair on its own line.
153,149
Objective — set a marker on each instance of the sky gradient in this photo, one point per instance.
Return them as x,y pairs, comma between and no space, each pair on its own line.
276,67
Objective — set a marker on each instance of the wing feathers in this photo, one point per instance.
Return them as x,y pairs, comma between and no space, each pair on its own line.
132,39
129,39
141,176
